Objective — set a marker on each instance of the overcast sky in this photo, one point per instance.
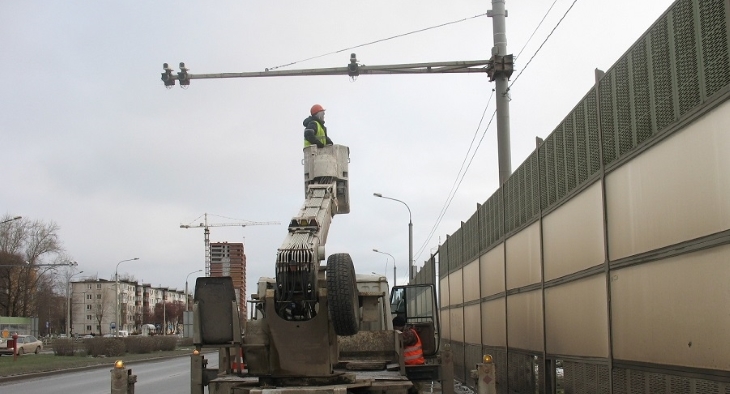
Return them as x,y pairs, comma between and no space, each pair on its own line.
92,140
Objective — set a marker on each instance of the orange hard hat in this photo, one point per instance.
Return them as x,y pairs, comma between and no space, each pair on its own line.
316,108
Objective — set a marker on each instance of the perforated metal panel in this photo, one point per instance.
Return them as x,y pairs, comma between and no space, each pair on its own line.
499,357
460,370
550,183
662,75
454,250
560,164
584,378
685,59
641,95
569,143
706,387
509,203
637,383
629,381
581,143
443,260
608,129
623,108
715,59
523,373
521,195
491,219
533,177
592,130
679,385
472,237
472,355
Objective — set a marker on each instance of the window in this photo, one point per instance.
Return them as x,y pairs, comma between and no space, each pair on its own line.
88,286
88,307
88,317
88,296
98,285
98,296
88,328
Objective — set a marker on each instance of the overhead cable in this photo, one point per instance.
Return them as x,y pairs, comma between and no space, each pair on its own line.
377,41
543,43
460,175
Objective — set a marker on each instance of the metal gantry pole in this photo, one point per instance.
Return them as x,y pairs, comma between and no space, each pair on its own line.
501,70
68,303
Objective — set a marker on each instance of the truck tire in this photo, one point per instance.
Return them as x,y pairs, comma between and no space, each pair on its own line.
342,294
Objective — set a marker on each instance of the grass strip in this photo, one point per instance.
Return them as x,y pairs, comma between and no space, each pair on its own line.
35,363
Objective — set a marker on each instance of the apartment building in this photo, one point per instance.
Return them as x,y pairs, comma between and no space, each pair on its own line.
229,259
94,307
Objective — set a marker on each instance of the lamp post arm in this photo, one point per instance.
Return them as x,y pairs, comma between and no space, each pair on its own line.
411,271
117,301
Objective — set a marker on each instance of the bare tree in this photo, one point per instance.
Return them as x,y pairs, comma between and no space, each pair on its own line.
35,242
103,307
10,270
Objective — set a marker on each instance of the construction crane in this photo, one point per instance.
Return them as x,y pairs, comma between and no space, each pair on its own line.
206,230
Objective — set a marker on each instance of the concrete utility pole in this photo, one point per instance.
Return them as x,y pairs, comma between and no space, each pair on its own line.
499,70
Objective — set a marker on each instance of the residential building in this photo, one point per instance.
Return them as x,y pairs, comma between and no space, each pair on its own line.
93,306
229,259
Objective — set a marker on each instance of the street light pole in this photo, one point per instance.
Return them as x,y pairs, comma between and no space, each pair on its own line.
68,302
186,288
116,292
411,272
386,262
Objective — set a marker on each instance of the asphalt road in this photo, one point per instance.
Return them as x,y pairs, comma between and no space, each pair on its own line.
167,376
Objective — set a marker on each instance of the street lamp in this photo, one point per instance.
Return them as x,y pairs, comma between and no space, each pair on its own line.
10,220
386,262
116,292
410,235
68,302
186,288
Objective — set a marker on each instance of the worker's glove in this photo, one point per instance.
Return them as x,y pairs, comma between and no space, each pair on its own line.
320,145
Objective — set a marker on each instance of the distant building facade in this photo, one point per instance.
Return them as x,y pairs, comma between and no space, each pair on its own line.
94,306
229,259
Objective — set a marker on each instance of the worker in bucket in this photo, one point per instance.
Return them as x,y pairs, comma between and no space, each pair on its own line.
413,352
315,132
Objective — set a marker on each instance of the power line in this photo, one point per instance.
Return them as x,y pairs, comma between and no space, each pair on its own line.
536,28
377,41
543,43
460,175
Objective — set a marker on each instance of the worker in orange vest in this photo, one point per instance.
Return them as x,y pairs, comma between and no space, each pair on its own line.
413,352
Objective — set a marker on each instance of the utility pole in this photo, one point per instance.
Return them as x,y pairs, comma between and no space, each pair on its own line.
500,69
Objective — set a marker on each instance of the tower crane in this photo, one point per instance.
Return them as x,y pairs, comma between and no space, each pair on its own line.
206,230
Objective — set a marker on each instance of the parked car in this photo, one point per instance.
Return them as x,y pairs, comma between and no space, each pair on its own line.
29,344
26,344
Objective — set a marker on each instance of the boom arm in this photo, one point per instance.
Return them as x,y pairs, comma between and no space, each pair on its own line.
297,262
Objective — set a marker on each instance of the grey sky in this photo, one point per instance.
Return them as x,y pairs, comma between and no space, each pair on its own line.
92,140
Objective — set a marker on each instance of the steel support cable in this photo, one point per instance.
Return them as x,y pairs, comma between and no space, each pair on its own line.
536,28
541,45
460,175
377,41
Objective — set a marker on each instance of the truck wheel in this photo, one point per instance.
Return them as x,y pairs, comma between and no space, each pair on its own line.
342,294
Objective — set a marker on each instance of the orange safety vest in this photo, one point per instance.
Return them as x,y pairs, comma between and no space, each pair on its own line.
413,355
